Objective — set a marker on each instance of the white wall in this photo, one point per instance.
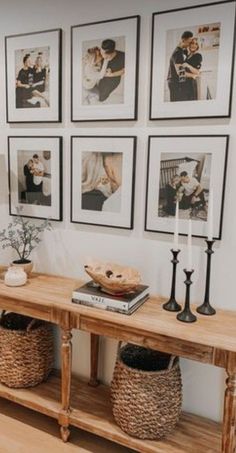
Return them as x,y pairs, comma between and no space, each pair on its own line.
64,250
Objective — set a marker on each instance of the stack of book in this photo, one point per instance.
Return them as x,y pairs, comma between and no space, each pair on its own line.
92,295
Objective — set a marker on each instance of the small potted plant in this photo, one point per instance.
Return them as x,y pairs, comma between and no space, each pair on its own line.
23,236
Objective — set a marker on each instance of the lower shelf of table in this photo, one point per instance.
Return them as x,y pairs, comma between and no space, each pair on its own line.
91,411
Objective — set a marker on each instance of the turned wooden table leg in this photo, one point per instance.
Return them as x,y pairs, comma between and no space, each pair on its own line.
66,361
94,351
229,422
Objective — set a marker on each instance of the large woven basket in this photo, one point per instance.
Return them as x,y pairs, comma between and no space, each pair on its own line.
146,404
26,355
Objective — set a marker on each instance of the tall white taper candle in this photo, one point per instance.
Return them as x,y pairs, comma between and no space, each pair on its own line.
210,215
190,265
176,232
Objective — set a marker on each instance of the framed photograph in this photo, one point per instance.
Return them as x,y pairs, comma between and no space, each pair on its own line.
33,77
102,180
187,169
104,70
35,176
192,61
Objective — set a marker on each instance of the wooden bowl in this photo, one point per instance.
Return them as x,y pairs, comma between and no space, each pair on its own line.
114,278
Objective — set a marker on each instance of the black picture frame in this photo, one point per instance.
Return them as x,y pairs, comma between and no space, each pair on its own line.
40,101
104,210
210,94
41,199
206,157
88,106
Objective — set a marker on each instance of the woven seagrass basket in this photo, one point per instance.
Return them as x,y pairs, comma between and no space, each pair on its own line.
146,392
26,354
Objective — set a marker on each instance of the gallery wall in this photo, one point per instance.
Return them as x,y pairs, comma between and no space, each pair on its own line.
66,248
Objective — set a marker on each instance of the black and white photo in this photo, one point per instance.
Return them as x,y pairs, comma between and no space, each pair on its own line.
192,61
104,70
185,169
184,178
35,176
101,182
102,186
33,77
192,58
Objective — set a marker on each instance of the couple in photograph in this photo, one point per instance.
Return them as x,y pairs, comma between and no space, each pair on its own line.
31,83
101,181
187,190
184,69
103,68
37,181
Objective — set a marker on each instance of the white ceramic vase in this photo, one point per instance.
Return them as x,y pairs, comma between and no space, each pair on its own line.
15,276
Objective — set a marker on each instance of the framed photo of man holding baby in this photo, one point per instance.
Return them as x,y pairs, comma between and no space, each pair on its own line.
33,77
35,176
102,180
190,170
192,62
104,70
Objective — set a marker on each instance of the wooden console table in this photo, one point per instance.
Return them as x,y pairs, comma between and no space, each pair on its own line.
73,402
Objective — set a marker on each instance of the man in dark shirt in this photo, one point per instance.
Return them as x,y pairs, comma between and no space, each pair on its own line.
24,83
176,61
115,68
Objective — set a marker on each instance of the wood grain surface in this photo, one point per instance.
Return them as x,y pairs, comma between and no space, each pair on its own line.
25,431
91,411
47,293
210,340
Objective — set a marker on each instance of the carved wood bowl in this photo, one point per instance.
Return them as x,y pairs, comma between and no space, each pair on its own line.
114,278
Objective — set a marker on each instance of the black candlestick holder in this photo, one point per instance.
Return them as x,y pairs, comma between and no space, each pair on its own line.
172,305
206,308
186,315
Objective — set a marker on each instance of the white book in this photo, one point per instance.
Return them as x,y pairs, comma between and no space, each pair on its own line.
114,309
95,296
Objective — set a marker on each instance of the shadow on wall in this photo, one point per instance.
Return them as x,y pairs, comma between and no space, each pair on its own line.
3,179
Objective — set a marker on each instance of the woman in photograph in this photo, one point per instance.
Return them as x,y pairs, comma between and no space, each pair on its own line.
94,68
192,67
39,79
113,166
93,171
171,194
30,83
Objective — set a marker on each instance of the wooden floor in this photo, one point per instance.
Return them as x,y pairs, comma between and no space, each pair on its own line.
23,430
92,412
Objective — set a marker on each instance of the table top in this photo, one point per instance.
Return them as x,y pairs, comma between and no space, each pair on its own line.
50,291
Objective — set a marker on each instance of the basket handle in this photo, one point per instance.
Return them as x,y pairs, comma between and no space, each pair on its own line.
1,317
2,314
119,347
30,325
171,362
